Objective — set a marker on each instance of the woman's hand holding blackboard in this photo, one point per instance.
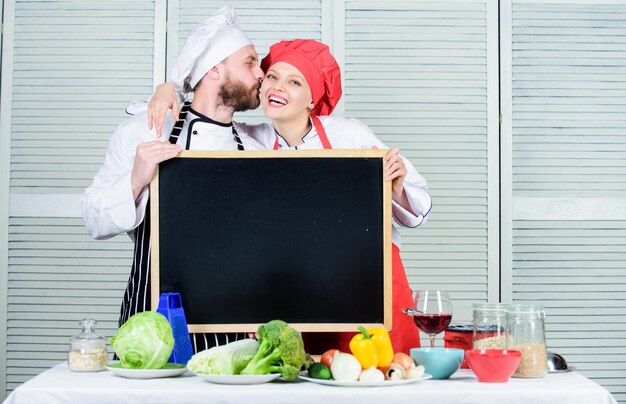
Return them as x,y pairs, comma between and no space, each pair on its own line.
147,157
395,171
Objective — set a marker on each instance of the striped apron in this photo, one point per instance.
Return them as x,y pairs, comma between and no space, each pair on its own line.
137,294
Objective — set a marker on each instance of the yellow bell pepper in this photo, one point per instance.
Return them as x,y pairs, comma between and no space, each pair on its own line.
382,342
372,347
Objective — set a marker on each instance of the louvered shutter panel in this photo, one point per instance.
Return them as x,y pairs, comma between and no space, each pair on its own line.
266,22
76,66
416,73
569,180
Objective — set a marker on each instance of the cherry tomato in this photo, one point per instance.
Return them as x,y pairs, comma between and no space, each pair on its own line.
328,356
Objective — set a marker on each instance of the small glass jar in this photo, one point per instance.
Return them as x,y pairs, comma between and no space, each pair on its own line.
526,333
88,351
489,326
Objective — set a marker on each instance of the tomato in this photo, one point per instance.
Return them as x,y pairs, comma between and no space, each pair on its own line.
403,360
328,356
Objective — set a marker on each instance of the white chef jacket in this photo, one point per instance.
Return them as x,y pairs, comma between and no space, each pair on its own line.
108,205
348,133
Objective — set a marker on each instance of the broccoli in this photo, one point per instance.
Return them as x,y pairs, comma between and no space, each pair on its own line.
281,350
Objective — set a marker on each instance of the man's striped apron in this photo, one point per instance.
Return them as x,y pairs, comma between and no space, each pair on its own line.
137,294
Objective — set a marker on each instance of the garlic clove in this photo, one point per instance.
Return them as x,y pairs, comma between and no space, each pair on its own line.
414,372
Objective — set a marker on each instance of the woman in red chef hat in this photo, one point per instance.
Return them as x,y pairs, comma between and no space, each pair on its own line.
302,86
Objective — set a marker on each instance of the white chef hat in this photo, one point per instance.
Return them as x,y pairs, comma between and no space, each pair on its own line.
210,42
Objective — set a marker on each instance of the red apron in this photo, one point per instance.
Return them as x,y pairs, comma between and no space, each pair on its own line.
404,334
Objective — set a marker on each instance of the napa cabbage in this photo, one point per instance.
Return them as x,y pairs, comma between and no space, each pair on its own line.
227,359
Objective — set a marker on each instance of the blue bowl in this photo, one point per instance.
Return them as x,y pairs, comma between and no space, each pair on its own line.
441,363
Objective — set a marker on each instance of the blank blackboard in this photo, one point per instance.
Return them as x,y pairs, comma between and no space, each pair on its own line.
247,237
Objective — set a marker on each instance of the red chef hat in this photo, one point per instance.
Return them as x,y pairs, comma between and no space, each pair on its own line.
317,64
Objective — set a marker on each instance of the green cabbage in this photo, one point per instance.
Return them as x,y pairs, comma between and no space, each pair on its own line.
227,359
145,341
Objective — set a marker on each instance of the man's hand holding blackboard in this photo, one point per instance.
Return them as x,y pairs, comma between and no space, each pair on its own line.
148,155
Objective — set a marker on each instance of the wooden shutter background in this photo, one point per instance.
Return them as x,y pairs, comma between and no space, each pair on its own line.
420,74
569,178
417,73
76,66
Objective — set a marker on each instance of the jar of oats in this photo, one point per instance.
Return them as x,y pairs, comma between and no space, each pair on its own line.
88,351
526,333
489,326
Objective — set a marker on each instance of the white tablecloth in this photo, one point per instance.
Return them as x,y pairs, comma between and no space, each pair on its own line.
60,385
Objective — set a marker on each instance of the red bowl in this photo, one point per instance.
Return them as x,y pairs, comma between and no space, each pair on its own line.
493,365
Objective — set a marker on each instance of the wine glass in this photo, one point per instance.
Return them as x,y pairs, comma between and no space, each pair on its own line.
432,312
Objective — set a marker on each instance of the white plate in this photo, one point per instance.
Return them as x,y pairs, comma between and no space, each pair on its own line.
386,383
170,370
239,379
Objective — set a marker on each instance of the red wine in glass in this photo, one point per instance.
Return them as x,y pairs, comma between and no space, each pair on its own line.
432,323
432,312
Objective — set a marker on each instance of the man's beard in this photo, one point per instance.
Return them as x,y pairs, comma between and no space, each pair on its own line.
239,97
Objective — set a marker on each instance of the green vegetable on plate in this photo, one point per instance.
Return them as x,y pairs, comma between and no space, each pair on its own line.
319,371
227,359
281,350
145,341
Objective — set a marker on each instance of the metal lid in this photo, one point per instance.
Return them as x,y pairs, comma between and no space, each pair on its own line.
462,328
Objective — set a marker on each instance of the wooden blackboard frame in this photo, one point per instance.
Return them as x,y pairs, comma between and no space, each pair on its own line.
291,154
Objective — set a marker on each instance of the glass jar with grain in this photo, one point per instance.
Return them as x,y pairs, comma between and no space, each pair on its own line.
526,333
88,351
489,326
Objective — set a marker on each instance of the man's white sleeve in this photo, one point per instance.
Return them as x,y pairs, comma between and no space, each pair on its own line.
108,206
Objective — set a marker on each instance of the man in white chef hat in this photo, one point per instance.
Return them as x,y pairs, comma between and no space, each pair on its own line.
220,65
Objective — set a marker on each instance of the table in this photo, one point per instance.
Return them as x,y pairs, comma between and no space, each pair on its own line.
60,385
